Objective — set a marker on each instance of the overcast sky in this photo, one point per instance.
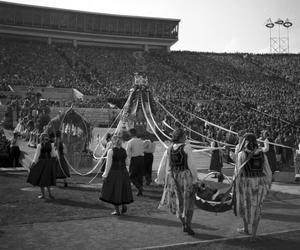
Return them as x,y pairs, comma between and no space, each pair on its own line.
206,25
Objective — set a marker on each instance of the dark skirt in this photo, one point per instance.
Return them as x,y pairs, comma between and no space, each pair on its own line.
116,188
42,173
216,162
272,160
148,161
62,168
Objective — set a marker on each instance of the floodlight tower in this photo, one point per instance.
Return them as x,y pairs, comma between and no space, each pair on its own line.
273,41
279,44
287,24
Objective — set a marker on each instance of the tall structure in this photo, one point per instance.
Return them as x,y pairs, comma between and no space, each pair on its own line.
279,43
87,28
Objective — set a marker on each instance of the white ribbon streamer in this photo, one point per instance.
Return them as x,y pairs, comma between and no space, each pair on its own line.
151,115
151,124
99,143
210,139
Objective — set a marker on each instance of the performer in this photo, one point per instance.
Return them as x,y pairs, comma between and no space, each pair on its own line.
252,182
14,150
178,173
116,187
297,164
270,151
4,150
42,171
62,167
135,152
216,161
149,148
107,145
240,136
278,150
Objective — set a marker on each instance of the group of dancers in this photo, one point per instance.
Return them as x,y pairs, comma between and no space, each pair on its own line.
177,172
251,181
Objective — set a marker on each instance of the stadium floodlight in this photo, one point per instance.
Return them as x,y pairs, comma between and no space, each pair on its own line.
279,21
287,23
279,43
270,24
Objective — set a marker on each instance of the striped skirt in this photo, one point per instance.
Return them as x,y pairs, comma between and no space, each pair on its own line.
179,194
250,194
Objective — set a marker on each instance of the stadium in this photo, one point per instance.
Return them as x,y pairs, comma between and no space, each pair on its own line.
87,74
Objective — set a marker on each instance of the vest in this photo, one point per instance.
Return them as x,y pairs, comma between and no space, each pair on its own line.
254,167
178,159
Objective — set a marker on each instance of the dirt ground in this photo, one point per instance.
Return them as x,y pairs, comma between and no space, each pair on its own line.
77,219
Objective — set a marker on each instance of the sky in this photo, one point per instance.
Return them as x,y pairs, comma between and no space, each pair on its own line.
206,25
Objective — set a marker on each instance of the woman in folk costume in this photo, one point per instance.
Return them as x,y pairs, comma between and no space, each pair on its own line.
42,172
216,161
177,171
14,150
107,145
253,179
269,149
62,167
297,164
116,187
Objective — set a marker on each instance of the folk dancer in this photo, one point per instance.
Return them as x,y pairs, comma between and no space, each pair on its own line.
149,148
106,145
116,187
135,153
42,171
177,171
297,164
252,183
62,167
216,161
14,150
269,149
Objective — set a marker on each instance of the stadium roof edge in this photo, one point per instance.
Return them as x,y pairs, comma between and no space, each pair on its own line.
88,12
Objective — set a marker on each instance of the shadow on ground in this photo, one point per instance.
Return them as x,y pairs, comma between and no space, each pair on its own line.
163,222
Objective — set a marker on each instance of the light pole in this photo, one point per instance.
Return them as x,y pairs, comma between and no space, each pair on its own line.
287,24
270,25
279,44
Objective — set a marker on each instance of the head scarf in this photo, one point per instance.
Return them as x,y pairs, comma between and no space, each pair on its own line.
43,136
249,143
177,135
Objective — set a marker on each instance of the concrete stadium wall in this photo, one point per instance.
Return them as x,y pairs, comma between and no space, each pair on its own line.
59,94
97,117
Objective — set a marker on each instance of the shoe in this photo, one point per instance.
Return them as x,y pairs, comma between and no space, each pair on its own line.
66,184
117,213
242,231
190,231
124,209
41,197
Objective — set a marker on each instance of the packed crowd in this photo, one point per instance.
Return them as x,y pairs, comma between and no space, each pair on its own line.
238,91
